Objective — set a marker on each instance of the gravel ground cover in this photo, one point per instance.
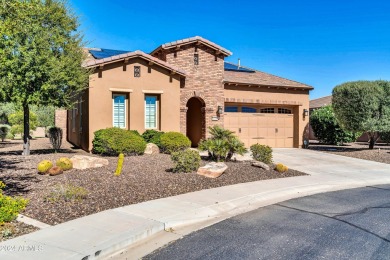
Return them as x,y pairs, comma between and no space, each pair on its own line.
15,229
380,153
144,178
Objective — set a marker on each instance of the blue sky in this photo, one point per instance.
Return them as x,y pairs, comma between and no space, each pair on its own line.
320,43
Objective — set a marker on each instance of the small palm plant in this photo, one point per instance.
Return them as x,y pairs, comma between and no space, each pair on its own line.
222,144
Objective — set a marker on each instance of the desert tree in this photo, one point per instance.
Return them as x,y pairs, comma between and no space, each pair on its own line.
363,106
41,56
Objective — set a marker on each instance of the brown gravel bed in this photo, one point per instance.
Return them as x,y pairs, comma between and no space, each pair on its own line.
380,153
143,178
15,229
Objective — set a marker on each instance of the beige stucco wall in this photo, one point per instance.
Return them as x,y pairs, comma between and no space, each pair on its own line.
153,80
298,100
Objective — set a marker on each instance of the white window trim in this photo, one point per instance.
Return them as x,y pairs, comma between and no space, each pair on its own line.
124,90
145,91
157,114
113,103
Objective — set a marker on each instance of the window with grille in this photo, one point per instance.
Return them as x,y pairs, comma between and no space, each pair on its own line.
267,110
248,110
151,110
284,111
119,110
231,109
196,59
137,71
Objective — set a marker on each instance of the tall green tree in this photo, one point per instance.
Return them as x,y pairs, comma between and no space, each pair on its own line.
40,55
363,106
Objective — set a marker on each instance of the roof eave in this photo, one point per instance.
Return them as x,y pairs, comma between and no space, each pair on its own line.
229,82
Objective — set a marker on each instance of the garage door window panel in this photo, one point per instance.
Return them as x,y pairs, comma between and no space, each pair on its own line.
231,109
248,110
284,110
267,110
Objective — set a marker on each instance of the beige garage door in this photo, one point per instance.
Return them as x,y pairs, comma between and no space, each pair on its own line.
275,130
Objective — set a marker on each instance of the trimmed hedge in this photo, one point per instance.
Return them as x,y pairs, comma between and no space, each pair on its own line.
185,161
113,141
153,136
174,142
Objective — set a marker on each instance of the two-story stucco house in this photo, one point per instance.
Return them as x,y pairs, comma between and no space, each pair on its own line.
186,86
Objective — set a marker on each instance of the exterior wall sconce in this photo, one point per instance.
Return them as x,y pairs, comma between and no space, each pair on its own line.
305,112
219,110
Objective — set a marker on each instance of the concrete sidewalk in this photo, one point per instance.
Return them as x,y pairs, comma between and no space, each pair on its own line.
101,235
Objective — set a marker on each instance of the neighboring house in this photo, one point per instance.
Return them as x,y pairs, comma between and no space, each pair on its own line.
186,86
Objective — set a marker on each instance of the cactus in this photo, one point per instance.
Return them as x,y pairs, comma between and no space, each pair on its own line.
64,163
281,167
120,164
56,170
44,166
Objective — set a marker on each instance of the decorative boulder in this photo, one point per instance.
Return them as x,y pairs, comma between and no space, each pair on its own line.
213,169
55,170
261,165
152,149
82,162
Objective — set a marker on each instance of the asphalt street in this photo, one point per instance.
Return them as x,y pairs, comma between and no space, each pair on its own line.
348,224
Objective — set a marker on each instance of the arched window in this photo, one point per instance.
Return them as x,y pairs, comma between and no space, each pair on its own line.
267,110
231,109
248,110
284,111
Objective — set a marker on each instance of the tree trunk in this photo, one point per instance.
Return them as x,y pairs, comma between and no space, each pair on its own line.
373,137
26,129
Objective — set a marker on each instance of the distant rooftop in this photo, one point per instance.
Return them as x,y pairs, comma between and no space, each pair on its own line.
98,53
320,102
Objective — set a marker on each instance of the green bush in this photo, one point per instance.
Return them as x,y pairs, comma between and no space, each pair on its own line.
152,136
4,131
327,129
385,136
262,153
10,207
17,122
222,144
113,141
174,142
186,161
135,132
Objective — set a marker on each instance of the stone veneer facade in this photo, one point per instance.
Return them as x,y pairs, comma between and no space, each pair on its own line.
203,81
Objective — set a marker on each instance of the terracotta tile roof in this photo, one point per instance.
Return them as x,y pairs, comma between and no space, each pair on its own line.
262,79
90,63
320,102
190,40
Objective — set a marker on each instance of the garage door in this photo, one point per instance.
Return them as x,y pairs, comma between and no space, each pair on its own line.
275,130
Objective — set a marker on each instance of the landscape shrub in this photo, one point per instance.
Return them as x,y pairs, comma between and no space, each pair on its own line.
68,192
17,123
222,144
55,137
281,167
135,132
152,136
9,206
385,136
186,161
4,131
174,142
65,163
44,166
327,129
113,141
262,153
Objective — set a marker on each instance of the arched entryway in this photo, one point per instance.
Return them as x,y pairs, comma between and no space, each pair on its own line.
195,120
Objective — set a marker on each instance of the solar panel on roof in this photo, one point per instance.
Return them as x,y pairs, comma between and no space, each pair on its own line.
105,53
234,67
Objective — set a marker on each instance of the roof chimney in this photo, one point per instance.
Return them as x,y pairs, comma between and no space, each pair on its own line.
239,63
